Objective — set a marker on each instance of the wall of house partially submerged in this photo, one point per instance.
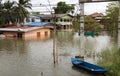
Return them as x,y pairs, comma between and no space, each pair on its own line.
37,34
9,34
34,34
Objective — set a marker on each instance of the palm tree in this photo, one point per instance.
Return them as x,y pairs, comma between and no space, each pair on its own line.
1,7
21,11
13,12
6,10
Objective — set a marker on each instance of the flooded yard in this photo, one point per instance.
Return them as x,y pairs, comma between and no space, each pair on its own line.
35,57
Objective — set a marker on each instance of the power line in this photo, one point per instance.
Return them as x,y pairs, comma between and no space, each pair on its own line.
43,5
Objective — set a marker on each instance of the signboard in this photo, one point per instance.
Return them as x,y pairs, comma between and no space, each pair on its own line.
85,1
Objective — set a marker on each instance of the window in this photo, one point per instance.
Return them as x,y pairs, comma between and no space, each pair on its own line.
61,20
33,20
65,20
48,20
19,35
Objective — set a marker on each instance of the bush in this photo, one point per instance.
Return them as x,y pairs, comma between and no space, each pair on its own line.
111,61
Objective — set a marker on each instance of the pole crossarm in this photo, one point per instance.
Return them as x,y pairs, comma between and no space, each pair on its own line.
89,1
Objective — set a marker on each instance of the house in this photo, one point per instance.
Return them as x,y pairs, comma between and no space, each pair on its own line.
25,32
97,16
62,21
32,18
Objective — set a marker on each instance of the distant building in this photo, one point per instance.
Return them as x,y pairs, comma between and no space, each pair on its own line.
32,18
97,16
62,21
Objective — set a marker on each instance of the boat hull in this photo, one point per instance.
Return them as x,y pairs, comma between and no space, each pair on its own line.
88,66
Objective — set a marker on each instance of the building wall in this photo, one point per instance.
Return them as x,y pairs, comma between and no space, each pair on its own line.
61,21
39,33
10,34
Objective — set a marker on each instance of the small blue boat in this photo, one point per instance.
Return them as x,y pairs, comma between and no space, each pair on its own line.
88,66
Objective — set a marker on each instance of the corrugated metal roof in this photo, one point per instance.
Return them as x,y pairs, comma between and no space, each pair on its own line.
19,29
50,16
37,24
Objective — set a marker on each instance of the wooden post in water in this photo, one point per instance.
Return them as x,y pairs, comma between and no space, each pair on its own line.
55,57
119,27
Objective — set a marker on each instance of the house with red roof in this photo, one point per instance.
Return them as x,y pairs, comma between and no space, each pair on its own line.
26,32
97,16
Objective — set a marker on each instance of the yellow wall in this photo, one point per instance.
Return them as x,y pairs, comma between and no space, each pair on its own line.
30,34
33,34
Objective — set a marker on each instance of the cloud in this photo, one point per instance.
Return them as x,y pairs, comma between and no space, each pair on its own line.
96,7
89,7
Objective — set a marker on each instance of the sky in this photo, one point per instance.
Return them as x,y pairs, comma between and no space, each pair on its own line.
89,8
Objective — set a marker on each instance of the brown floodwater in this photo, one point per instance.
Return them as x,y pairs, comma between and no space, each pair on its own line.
35,57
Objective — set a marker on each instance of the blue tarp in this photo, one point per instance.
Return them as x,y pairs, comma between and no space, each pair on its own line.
37,24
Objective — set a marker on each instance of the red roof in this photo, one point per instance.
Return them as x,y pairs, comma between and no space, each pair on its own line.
96,14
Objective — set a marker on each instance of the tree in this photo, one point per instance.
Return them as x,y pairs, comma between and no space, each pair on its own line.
1,7
63,8
90,24
111,18
35,13
6,12
20,10
13,12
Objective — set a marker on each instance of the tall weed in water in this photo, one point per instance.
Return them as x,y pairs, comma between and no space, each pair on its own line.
110,59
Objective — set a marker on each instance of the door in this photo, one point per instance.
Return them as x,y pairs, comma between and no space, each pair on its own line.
46,33
38,34
19,35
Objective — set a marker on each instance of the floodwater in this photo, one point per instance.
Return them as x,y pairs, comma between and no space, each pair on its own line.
35,57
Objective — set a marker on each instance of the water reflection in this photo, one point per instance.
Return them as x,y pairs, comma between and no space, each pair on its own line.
35,57
90,47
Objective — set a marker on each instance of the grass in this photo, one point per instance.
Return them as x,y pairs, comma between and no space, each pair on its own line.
111,61
64,54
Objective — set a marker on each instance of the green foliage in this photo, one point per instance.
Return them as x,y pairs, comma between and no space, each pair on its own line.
90,24
111,61
63,8
21,10
110,21
76,24
13,12
36,13
6,12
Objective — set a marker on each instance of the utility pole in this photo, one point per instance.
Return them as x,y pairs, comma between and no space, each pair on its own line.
82,18
119,27
82,40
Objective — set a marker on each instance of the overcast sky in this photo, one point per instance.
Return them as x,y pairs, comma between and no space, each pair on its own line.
89,7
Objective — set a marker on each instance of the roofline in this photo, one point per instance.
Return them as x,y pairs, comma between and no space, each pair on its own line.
20,29
56,16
